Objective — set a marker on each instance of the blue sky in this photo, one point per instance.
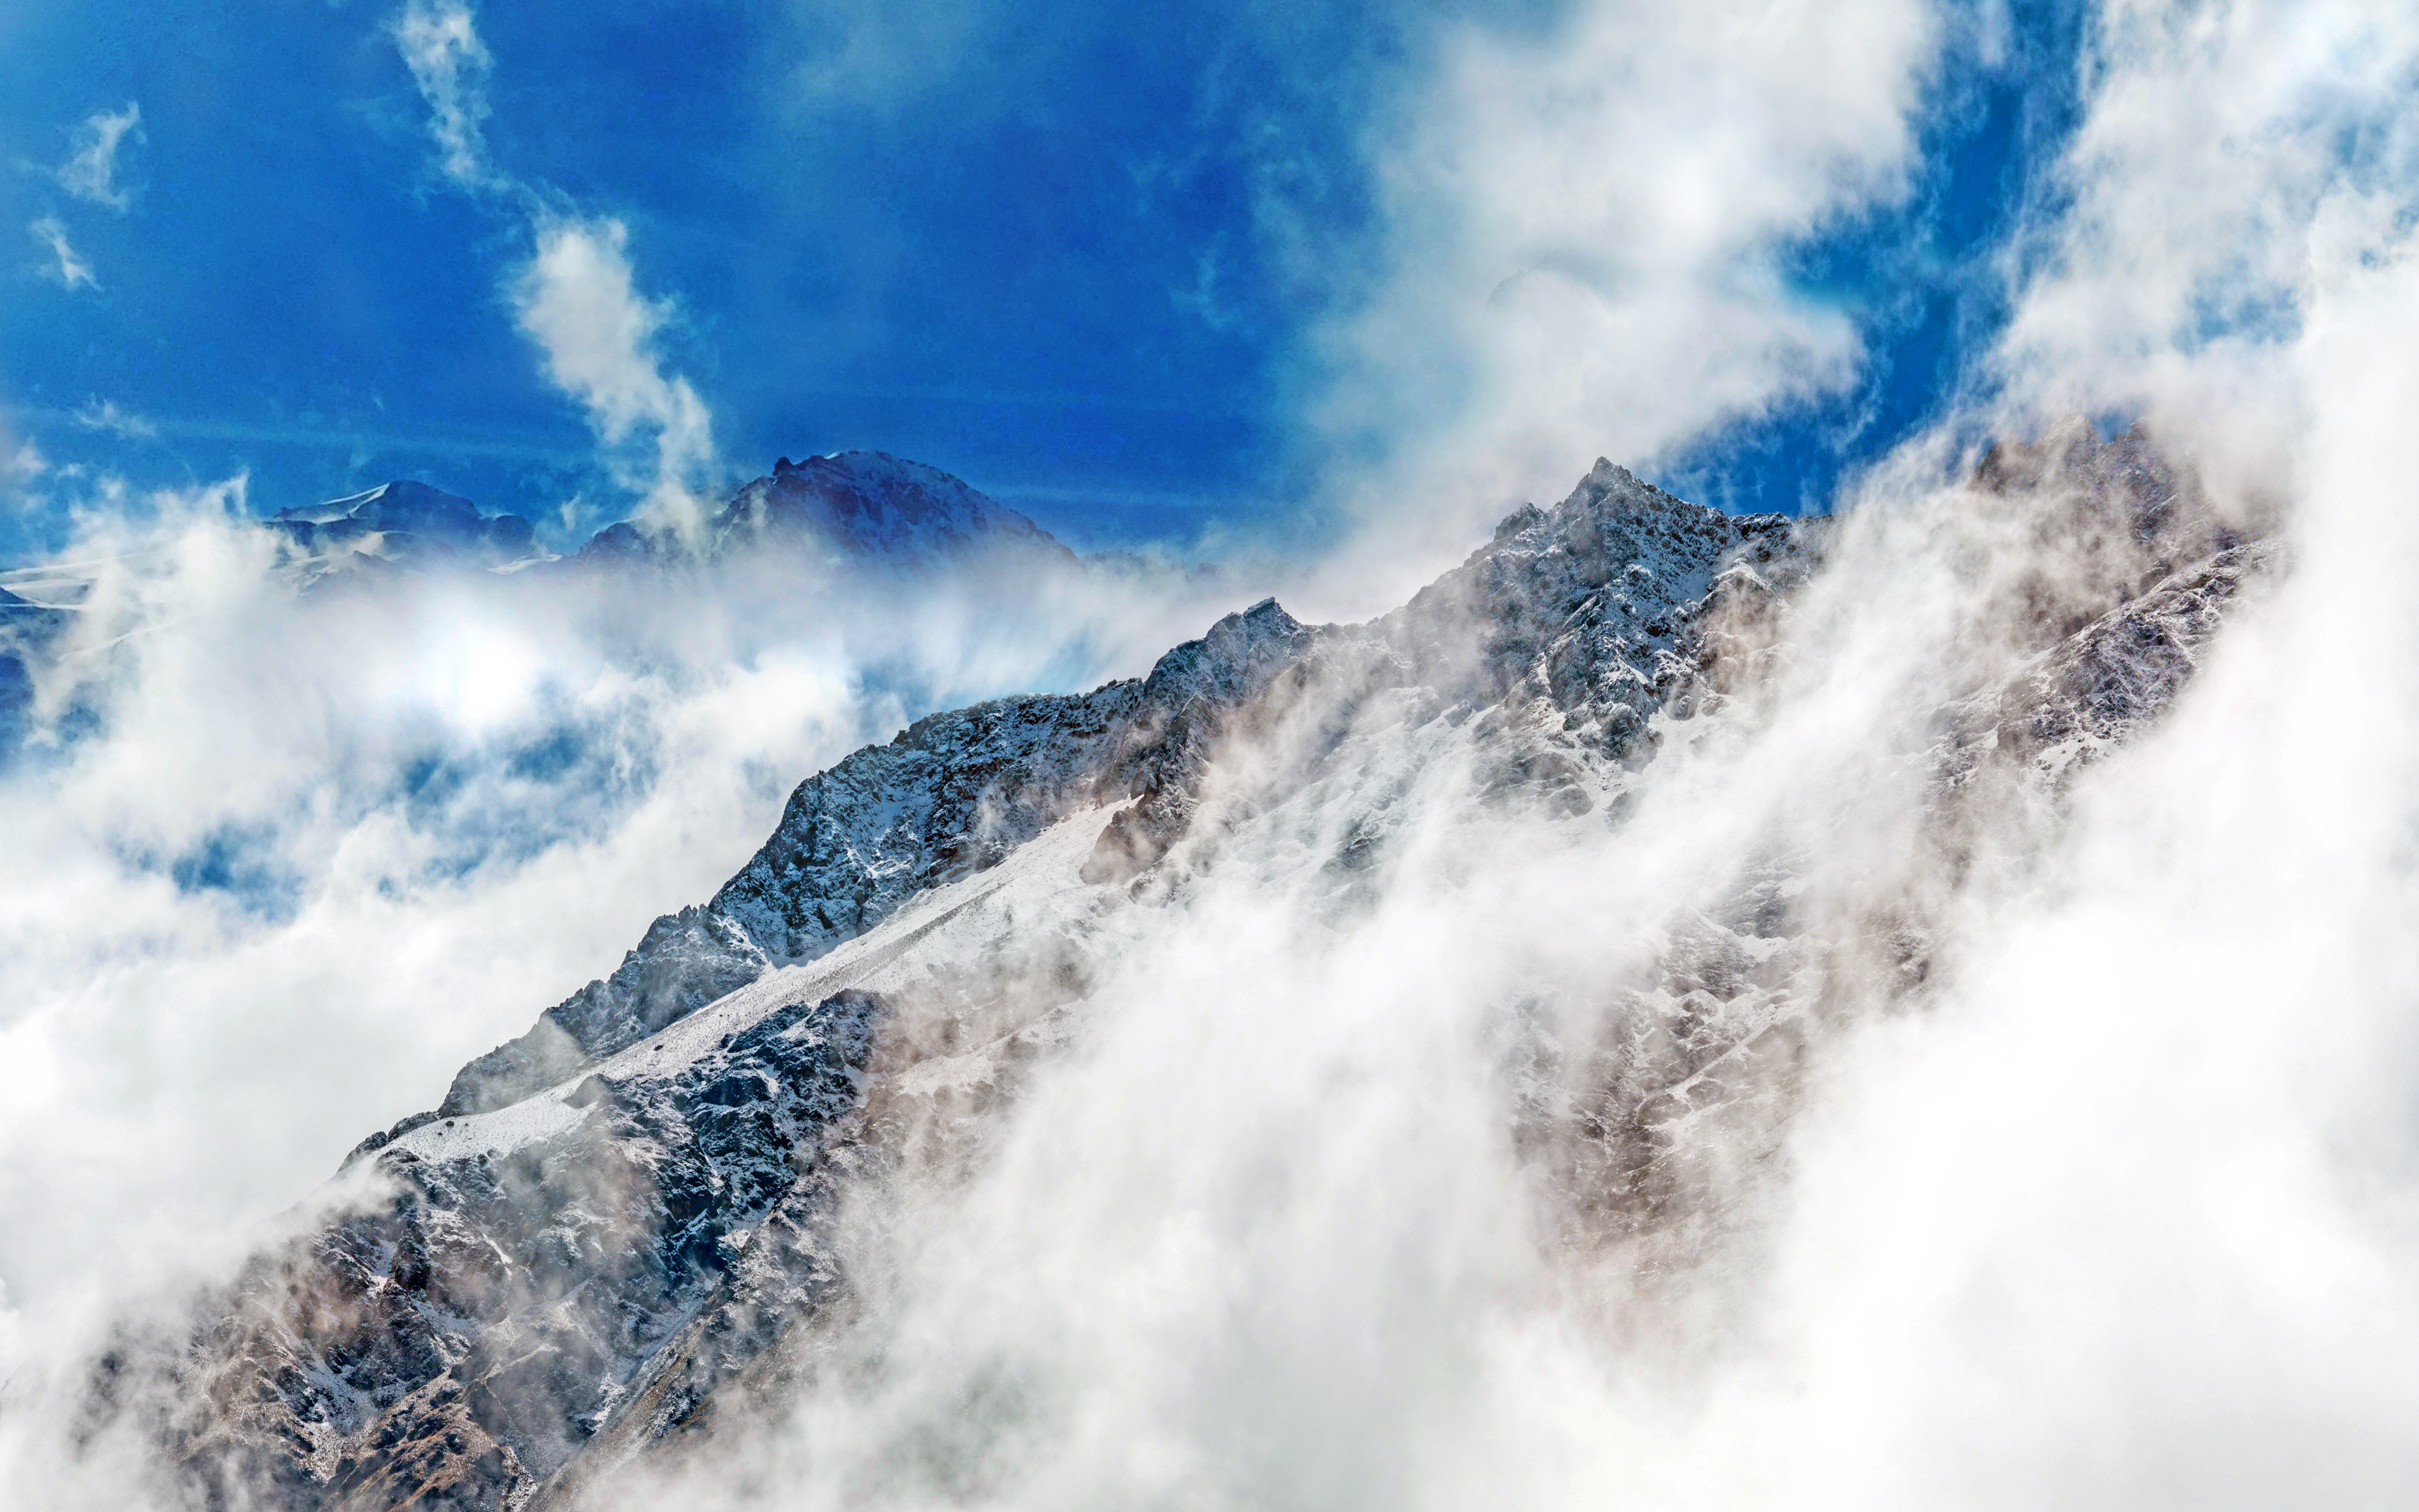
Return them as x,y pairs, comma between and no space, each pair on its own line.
1084,263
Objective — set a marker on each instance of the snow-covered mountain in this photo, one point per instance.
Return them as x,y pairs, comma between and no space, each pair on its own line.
615,1231
407,523
859,507
854,506
867,514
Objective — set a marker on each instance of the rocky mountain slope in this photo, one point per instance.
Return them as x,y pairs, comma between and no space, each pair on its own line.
615,1227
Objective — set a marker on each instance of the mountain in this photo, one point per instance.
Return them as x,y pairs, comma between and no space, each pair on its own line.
864,511
408,523
863,507
616,1230
858,506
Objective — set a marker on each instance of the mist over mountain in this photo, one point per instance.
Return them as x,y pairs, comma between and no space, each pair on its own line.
406,522
857,512
864,506
630,1242
1523,756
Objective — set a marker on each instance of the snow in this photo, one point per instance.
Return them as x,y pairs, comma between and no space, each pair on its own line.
957,921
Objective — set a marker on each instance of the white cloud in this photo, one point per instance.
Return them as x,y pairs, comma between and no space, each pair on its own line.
1582,233
439,43
90,172
887,58
2231,155
105,415
577,299
67,267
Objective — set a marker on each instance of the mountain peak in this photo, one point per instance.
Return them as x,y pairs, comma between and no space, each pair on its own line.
397,498
405,520
871,504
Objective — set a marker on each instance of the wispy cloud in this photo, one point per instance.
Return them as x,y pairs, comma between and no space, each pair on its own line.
105,415
2229,160
90,172
578,297
1583,241
579,301
440,44
66,266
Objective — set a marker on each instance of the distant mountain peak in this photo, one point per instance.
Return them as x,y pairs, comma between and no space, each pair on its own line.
863,506
398,497
406,522
871,504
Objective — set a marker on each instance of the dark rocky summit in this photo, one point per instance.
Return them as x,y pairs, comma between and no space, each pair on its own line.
612,1224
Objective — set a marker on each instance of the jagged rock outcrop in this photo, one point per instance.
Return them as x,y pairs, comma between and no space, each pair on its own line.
2123,574
949,795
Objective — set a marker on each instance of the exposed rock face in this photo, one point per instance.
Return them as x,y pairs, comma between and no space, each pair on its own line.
953,795
2152,570
465,1335
613,1222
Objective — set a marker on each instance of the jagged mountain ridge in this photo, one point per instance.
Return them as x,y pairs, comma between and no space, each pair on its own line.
890,822
441,1364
